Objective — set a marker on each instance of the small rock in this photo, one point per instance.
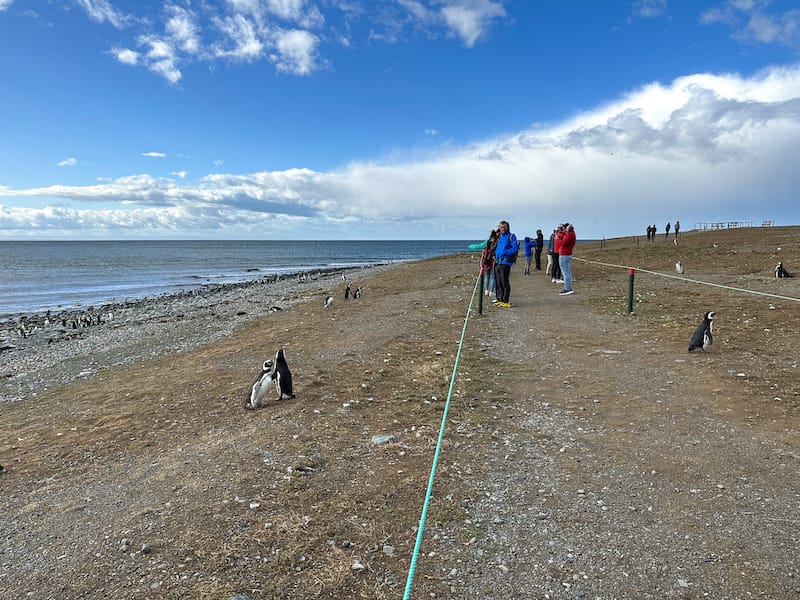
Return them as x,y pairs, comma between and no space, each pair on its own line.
357,566
146,549
388,550
379,440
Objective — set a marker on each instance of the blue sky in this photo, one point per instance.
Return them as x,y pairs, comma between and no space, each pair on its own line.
399,119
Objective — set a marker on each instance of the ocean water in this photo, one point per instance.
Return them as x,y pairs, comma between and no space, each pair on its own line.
40,276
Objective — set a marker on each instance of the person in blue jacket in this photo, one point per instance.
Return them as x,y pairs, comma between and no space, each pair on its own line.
530,246
505,254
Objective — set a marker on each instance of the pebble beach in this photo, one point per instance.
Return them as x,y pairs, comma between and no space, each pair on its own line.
38,351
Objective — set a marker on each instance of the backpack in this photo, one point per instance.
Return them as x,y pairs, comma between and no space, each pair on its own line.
513,258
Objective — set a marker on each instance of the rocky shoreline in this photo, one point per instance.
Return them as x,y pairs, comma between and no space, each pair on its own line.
41,350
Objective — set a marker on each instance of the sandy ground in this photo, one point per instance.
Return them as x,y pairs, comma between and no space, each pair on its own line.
586,452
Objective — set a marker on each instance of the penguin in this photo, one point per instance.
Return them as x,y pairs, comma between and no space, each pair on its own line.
357,293
282,376
347,292
780,271
702,338
679,267
260,386
328,302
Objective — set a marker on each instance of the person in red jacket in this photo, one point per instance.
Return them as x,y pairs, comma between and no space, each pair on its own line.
557,275
565,258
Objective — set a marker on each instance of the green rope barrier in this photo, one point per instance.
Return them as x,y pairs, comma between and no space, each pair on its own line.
421,528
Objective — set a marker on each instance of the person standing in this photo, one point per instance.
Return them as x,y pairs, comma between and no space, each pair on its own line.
559,233
507,247
677,228
537,253
530,245
487,263
666,234
550,250
565,257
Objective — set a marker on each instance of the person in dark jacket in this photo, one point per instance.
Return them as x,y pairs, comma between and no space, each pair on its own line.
487,264
537,253
505,251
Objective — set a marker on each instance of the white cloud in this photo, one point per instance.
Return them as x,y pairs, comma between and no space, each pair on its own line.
430,131
750,22
4,4
183,29
701,147
154,154
179,174
67,162
126,56
292,34
470,19
102,11
243,40
649,9
296,52
161,57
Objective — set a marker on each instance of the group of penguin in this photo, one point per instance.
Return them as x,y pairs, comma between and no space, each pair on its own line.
30,325
780,270
349,292
277,371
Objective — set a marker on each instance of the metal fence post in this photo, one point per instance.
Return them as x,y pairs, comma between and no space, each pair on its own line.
631,272
480,293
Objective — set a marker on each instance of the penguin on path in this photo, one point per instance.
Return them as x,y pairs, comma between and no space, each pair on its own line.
277,371
780,271
282,376
260,386
702,337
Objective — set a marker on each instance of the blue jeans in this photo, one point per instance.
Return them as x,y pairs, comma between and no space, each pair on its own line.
565,262
488,280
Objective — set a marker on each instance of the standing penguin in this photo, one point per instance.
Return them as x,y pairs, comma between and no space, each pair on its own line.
328,302
702,338
260,386
347,292
282,376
